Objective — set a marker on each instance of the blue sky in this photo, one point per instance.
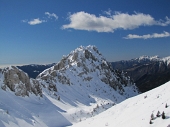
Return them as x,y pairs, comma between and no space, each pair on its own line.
42,31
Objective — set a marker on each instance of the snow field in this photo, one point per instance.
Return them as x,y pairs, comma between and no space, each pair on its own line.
135,111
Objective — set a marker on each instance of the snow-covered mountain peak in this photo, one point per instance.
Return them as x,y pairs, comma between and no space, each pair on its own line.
85,65
79,57
83,55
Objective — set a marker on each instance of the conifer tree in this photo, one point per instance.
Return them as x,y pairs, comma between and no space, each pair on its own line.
59,98
163,115
152,116
150,122
158,114
166,106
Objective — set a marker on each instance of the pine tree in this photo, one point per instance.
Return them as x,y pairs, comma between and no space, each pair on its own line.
59,98
163,115
166,106
158,114
152,116
150,122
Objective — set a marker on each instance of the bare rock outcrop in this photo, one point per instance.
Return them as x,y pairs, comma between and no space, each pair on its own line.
19,82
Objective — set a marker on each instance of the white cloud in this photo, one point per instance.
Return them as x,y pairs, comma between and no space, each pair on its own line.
147,36
90,22
36,21
39,21
162,23
51,15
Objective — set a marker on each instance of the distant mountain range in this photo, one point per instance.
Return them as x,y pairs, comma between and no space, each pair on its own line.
33,70
147,72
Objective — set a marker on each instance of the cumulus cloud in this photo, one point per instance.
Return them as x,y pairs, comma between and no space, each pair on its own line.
147,36
36,21
51,15
90,22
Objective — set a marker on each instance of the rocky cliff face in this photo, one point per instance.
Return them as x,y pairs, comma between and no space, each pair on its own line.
86,65
18,81
147,72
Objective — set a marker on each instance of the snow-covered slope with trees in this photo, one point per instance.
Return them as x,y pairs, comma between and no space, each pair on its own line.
144,110
82,85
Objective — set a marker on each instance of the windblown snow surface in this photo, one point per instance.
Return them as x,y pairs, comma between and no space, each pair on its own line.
136,111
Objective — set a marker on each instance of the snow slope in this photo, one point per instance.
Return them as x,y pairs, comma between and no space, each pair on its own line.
135,111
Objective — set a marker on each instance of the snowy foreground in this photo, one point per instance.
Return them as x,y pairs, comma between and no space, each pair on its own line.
136,111
42,112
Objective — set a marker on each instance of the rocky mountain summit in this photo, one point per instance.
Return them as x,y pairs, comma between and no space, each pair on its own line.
86,65
147,72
